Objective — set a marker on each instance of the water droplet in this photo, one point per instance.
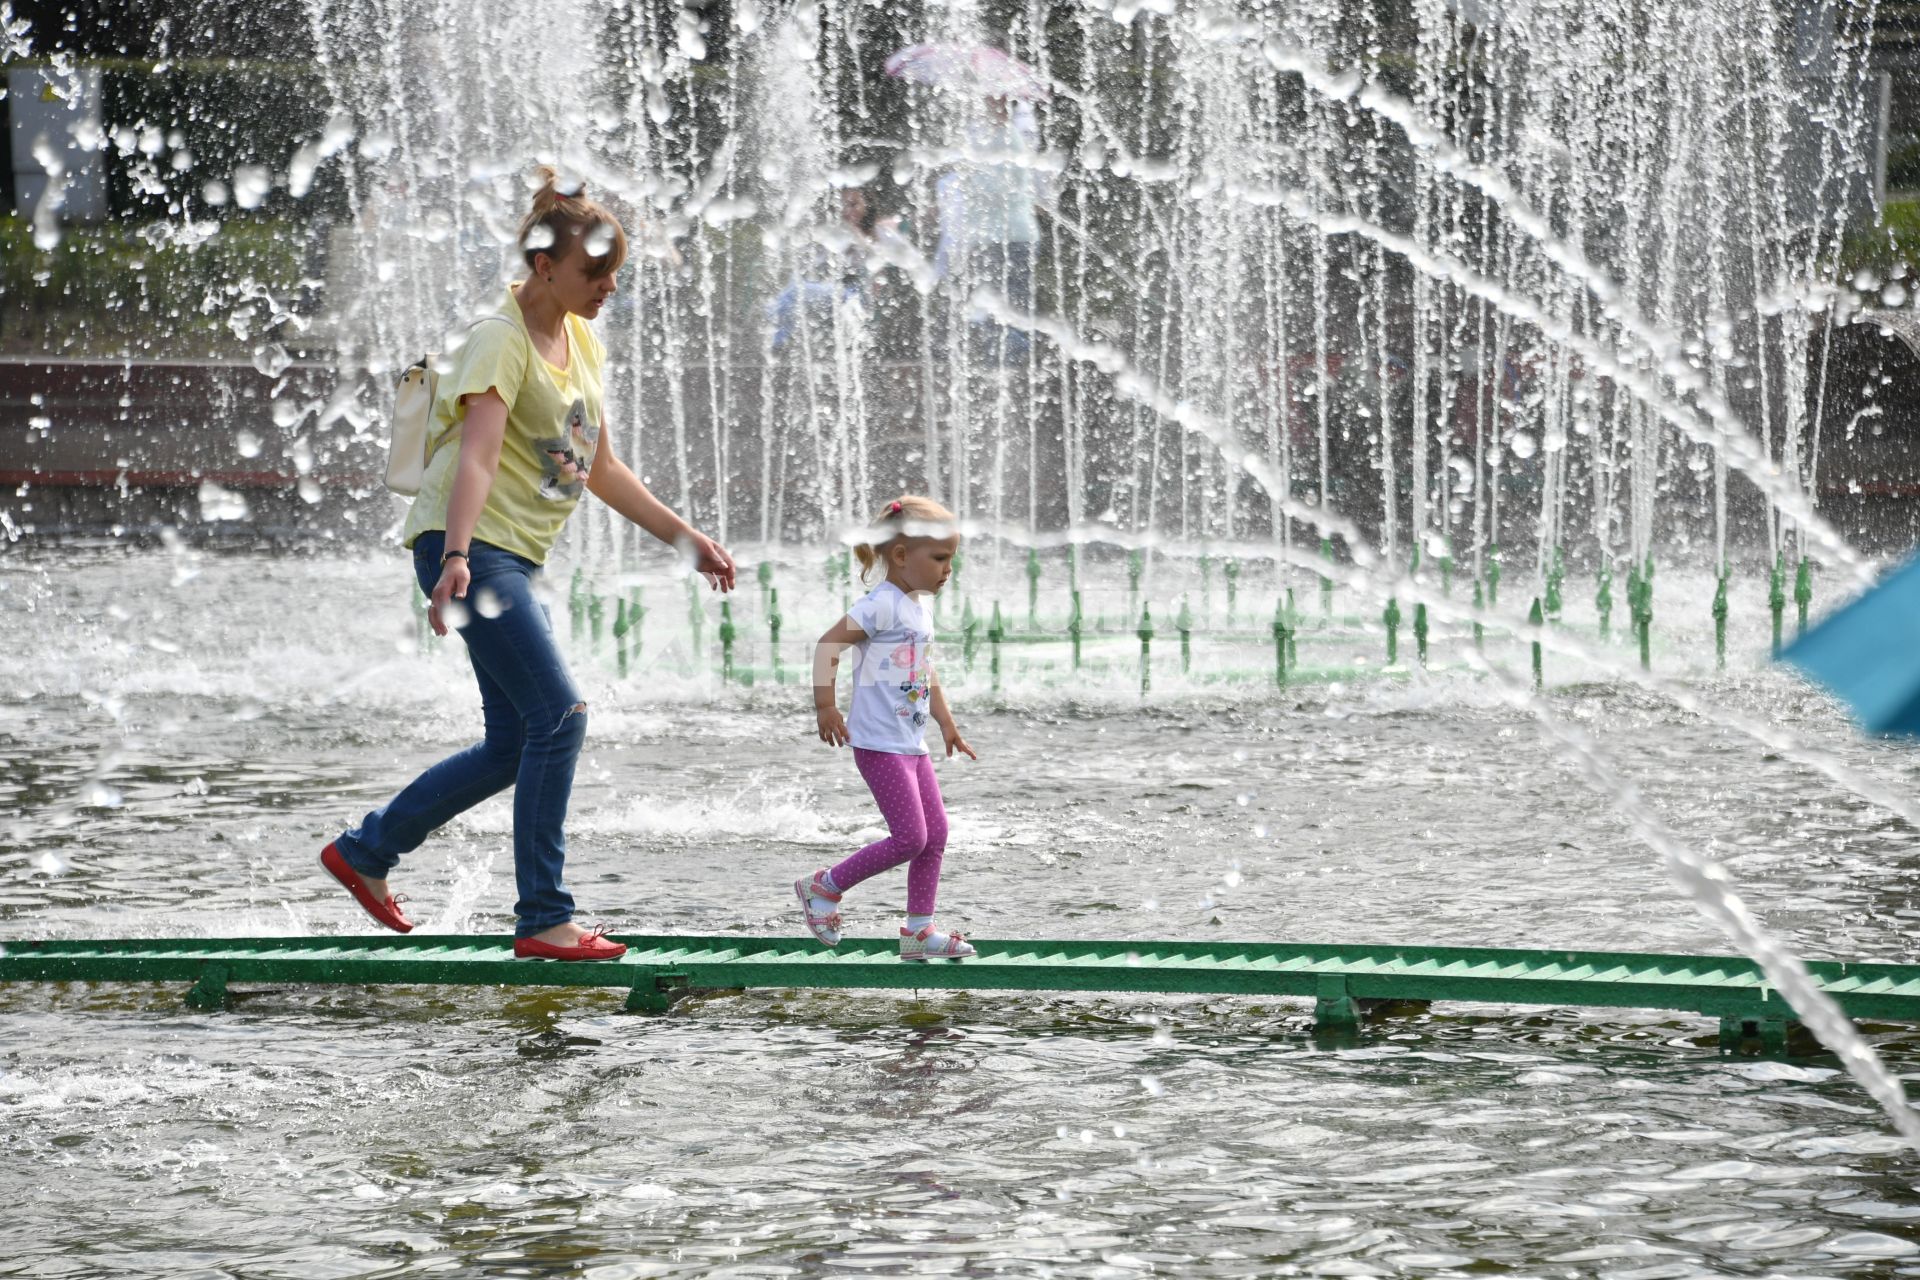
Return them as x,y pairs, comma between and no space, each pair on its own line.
1153,1086
310,491
455,614
539,236
52,864
247,442
1522,445
271,359
251,184
98,795
487,603
1894,295
599,242
214,192
195,786
217,503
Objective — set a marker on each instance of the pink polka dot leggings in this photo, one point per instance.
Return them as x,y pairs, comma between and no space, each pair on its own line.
909,799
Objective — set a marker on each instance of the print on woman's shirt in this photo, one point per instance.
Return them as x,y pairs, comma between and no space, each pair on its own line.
566,460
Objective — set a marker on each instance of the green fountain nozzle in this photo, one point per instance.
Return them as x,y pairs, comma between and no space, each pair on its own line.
1392,618
1033,588
1479,603
1420,631
996,632
1534,616
1145,632
1073,628
969,635
1720,619
1282,637
1777,597
1603,599
1183,623
726,641
1802,593
1326,580
1556,574
1493,575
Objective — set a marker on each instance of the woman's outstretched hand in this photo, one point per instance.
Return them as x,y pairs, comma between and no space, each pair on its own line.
454,578
709,560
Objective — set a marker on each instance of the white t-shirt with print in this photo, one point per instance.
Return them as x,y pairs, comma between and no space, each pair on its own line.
891,672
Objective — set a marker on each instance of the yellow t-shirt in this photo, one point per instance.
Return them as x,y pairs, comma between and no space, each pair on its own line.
553,428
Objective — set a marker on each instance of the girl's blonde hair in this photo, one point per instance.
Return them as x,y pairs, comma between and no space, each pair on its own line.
558,221
906,518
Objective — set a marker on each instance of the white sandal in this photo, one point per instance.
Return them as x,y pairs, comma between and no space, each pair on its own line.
930,944
825,928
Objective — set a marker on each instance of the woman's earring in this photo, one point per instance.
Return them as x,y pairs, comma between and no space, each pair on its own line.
549,279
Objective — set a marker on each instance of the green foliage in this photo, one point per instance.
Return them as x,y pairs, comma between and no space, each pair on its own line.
1895,240
1903,168
143,290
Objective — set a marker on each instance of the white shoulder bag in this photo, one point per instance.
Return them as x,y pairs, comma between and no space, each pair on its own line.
408,446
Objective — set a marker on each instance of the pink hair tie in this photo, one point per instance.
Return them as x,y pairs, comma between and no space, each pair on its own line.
893,508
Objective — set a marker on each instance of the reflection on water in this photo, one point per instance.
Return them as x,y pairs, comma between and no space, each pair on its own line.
174,771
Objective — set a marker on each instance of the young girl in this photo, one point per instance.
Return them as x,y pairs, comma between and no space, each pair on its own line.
519,435
894,691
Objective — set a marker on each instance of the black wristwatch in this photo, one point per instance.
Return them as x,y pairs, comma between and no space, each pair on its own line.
454,555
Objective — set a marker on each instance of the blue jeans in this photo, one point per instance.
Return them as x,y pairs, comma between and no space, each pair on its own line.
535,725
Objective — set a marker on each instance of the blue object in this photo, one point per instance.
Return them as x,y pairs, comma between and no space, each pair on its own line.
533,738
1868,654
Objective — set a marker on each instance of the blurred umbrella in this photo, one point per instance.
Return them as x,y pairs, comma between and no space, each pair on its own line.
1868,653
971,68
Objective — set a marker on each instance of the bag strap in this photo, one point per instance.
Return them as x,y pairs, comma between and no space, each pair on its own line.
434,443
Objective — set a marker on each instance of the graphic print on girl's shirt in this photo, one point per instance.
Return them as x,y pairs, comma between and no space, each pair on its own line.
915,688
892,676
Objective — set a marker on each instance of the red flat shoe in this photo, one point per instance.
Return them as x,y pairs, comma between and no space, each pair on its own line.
386,911
592,946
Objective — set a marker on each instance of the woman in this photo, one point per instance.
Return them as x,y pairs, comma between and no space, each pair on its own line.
523,401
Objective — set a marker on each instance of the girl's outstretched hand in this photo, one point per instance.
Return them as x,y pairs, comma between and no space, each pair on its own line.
833,726
955,742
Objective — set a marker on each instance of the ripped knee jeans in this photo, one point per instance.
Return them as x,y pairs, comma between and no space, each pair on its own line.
535,720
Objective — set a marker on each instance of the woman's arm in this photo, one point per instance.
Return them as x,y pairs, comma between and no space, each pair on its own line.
613,482
481,432
826,666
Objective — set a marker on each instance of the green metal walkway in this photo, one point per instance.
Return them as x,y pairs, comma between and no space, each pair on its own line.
655,969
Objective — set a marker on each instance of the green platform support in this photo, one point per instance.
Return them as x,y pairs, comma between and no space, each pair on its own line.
1729,988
